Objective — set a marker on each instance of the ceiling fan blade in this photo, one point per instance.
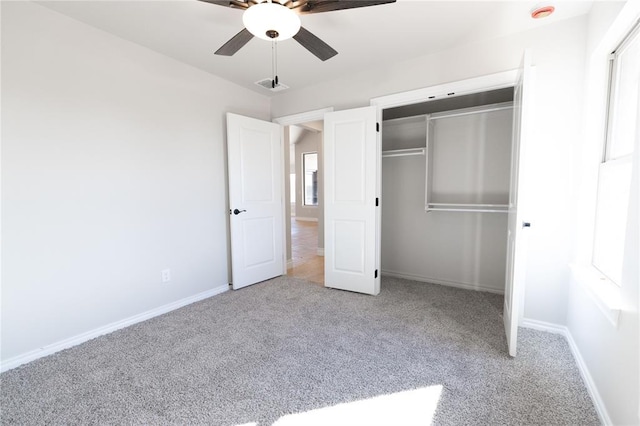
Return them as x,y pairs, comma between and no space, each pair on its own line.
218,2
318,6
235,44
235,4
314,45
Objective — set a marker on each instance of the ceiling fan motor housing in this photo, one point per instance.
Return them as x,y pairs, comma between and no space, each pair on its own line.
263,20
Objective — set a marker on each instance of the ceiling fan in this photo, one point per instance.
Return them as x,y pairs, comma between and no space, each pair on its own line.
278,20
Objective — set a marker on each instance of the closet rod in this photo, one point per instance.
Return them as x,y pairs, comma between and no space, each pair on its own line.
476,111
403,152
446,209
467,205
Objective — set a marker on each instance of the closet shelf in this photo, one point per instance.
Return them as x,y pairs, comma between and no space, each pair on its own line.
404,152
453,207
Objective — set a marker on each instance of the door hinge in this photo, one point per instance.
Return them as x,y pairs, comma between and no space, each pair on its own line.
377,127
375,274
377,201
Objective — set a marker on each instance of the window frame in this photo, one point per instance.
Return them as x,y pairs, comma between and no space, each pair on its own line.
608,160
612,85
304,179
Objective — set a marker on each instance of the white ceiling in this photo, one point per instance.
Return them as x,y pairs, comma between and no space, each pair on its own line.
190,31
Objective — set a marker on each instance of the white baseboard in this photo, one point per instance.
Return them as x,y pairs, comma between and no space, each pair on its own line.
289,264
582,366
109,328
544,326
306,219
320,251
466,286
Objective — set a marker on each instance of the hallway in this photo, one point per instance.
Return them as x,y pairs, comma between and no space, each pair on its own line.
306,263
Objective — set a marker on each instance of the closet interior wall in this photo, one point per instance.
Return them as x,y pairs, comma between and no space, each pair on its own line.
466,163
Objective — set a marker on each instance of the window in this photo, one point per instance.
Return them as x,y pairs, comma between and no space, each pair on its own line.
614,179
310,176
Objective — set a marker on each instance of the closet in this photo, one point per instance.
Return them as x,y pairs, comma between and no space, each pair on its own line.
445,190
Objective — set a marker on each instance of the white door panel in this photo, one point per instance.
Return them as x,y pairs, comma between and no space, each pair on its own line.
349,162
351,225
349,240
255,191
516,238
256,160
258,241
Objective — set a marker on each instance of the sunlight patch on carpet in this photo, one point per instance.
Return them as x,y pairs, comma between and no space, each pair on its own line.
412,407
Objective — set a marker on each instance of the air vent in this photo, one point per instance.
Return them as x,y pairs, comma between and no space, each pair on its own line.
266,83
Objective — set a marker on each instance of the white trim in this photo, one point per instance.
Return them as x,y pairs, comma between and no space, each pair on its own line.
306,219
320,251
289,264
286,181
592,389
544,326
462,87
457,284
109,328
302,117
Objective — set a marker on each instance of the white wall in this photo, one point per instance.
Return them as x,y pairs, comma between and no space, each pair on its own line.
113,168
610,352
558,53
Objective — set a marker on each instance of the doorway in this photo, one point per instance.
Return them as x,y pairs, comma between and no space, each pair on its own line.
306,255
445,190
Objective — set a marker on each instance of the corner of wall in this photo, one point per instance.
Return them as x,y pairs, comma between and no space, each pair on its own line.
590,384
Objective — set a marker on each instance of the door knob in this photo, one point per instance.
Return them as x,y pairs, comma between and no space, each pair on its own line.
237,212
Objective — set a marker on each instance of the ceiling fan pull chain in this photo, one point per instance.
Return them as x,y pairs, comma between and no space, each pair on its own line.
275,42
273,64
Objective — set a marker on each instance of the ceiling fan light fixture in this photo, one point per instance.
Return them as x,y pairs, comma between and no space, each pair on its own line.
266,20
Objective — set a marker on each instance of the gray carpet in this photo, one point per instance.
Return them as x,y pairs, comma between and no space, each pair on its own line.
287,346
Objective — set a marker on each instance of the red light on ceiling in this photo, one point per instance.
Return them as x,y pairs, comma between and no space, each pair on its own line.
542,12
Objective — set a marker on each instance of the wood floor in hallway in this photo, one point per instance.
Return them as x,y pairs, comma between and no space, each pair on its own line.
306,263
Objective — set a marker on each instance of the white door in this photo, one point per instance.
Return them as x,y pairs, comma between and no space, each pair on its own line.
351,227
516,241
256,209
